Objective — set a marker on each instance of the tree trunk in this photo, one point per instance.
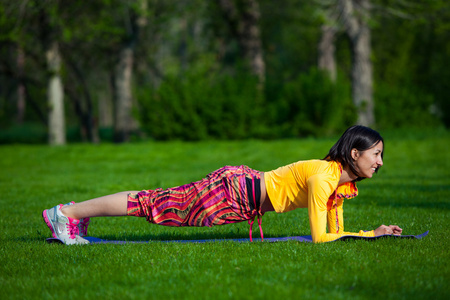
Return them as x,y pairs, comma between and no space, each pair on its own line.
251,38
124,123
362,78
21,103
55,95
354,18
246,29
105,109
123,100
326,49
84,109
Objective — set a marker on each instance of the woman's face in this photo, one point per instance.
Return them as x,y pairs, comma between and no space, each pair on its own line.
368,161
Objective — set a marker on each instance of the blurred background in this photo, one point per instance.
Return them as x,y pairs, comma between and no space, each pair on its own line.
121,71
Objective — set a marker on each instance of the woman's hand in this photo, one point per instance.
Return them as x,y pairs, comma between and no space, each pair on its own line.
391,229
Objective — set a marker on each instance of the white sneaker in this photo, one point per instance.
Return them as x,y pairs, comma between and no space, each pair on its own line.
83,226
62,227
84,223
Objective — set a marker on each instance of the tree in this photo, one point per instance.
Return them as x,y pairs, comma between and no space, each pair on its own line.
354,15
21,101
123,72
326,49
104,50
48,15
244,25
55,94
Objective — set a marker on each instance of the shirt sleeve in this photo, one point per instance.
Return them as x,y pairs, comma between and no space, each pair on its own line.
319,190
335,218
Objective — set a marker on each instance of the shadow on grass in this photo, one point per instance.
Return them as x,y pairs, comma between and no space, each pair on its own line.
174,237
145,237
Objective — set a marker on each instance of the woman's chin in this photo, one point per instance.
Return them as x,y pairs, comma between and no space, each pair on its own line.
370,175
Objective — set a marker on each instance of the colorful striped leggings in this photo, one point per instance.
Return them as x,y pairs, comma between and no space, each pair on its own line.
227,195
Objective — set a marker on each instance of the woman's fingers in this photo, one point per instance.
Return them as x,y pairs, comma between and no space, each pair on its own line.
395,229
391,229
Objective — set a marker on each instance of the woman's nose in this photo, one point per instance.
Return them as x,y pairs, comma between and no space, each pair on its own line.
380,162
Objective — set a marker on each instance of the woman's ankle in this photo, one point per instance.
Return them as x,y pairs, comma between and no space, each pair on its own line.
67,211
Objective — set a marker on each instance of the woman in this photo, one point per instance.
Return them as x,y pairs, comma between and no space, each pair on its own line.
236,194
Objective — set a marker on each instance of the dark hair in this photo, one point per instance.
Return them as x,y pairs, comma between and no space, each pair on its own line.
356,137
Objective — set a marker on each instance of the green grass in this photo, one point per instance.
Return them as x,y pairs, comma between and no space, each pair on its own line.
411,190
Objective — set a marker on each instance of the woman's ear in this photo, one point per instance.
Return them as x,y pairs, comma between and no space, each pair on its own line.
355,153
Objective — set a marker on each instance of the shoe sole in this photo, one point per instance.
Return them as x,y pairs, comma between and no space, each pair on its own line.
49,223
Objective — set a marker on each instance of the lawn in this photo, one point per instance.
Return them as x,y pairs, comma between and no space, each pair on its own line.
411,190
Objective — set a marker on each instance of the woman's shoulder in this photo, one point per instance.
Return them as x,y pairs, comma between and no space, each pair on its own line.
318,166
319,171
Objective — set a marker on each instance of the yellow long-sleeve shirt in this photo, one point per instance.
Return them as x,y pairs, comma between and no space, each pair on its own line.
313,184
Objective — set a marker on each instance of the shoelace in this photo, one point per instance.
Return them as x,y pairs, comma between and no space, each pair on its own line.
73,230
84,223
